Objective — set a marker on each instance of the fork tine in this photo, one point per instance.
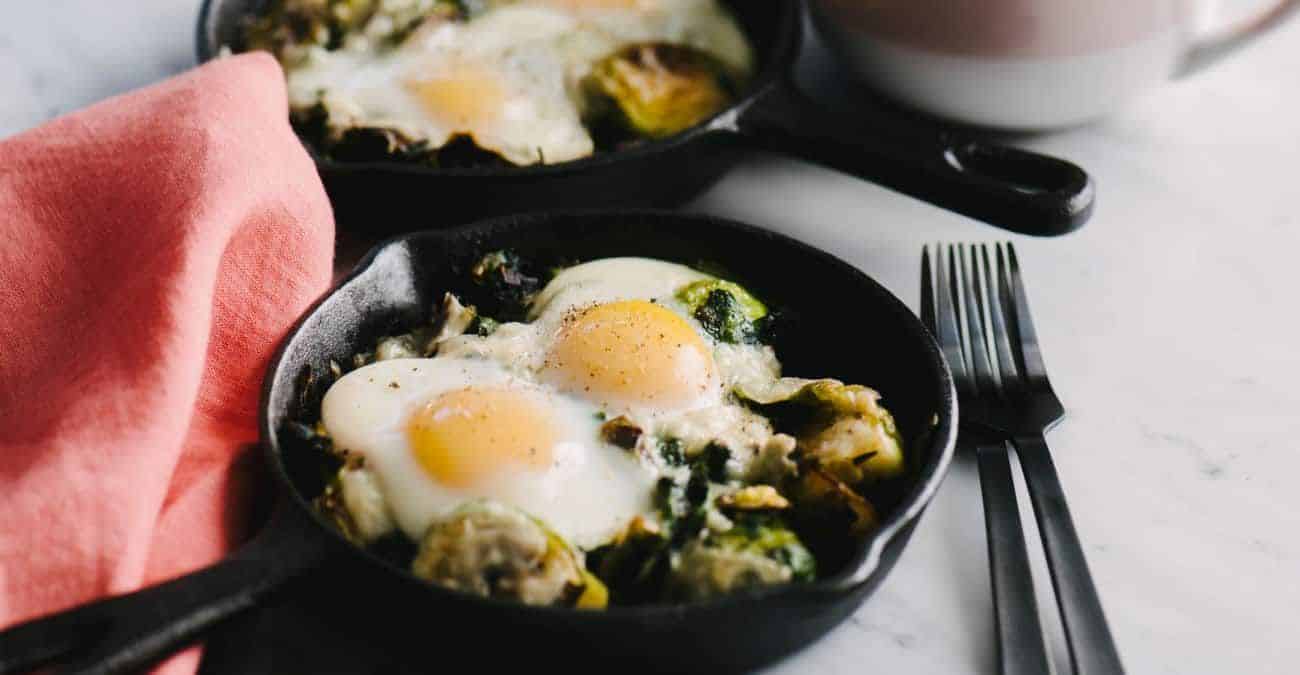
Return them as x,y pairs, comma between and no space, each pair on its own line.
985,379
927,292
997,322
1031,358
946,326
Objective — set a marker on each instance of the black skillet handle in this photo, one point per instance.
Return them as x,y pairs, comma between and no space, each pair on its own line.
128,632
1010,188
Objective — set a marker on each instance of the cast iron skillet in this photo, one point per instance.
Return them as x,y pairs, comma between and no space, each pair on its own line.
841,323
1006,187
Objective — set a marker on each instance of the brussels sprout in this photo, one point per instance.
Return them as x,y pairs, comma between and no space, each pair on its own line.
725,310
858,450
841,427
489,549
774,462
594,594
695,293
753,498
768,535
658,89
759,550
832,507
722,317
634,565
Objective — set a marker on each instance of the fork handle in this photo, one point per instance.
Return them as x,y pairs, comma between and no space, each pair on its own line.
1092,649
1022,649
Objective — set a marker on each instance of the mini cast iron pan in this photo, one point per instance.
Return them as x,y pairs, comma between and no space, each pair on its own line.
1010,188
840,323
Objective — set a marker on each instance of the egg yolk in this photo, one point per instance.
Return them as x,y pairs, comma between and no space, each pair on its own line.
466,436
630,352
460,98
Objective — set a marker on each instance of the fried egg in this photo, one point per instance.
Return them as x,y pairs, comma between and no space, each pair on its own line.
612,333
438,432
508,77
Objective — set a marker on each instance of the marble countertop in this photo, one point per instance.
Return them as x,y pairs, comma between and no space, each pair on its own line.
1167,324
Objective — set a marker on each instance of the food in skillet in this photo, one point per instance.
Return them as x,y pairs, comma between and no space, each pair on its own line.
455,82
620,434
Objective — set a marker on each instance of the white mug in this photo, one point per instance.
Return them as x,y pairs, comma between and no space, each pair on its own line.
1026,64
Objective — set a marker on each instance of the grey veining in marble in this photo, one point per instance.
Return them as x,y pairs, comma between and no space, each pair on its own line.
1169,325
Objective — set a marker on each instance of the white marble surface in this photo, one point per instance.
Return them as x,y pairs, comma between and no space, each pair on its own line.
1168,323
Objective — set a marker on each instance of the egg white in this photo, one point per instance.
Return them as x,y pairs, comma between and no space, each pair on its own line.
713,416
586,495
522,347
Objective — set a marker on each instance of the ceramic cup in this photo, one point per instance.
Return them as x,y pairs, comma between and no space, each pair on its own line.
1026,64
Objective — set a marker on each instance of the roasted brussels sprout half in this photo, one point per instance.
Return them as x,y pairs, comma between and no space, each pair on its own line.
696,293
725,310
489,549
829,506
842,428
635,565
758,550
658,89
753,498
722,317
774,462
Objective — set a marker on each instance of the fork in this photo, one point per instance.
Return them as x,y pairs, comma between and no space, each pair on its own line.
1021,648
1004,395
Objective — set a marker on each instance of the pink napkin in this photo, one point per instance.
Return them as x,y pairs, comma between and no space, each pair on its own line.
154,248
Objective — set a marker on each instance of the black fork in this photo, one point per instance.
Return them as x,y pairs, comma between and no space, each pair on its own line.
1014,400
1021,647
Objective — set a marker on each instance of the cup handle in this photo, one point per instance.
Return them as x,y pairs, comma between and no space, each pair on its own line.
1208,49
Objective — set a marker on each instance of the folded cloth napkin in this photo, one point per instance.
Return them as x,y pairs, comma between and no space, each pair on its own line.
154,248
